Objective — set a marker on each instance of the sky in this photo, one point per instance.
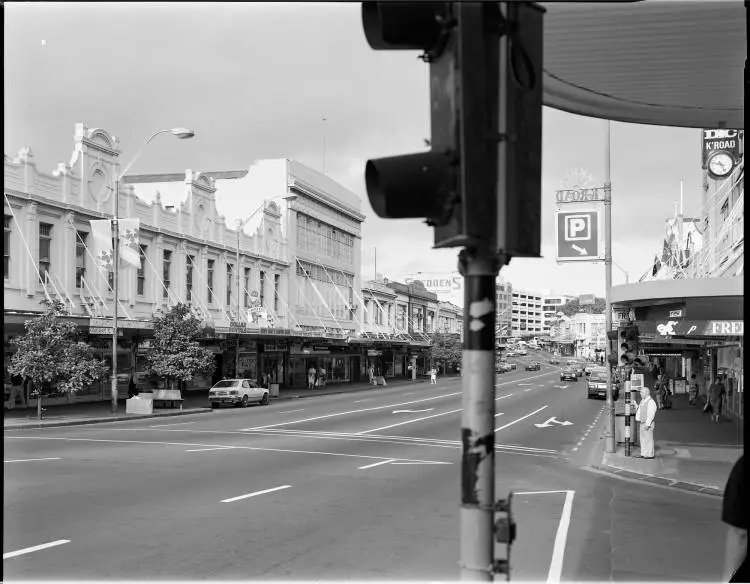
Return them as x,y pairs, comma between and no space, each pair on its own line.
258,80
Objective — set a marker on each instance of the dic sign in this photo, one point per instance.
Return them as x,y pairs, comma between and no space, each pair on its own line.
577,235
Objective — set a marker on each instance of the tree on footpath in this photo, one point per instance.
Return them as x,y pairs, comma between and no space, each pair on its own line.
574,306
446,349
51,355
175,352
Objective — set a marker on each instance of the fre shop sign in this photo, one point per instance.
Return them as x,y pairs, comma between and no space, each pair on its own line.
577,234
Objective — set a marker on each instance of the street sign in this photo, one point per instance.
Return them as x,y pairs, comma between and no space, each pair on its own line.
577,235
103,330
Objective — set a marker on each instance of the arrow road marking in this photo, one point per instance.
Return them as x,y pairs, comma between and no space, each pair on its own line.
35,548
580,250
562,386
412,411
551,421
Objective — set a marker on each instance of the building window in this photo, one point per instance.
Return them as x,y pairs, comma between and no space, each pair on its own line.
166,271
141,276
230,271
246,289
262,288
725,210
80,258
210,281
45,249
189,278
276,282
8,220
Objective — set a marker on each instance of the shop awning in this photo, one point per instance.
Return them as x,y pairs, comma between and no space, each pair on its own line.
650,62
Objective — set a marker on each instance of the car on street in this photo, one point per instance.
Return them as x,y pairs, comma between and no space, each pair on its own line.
533,366
237,392
554,361
502,367
522,352
597,385
577,366
513,365
567,373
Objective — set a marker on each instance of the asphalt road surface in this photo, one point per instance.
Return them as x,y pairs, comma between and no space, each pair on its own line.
363,486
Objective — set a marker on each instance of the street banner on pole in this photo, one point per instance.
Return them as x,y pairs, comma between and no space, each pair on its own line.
577,234
130,254
101,245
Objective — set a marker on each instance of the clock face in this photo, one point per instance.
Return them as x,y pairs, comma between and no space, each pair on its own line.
720,164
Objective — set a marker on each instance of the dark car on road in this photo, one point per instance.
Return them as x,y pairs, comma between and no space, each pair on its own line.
597,385
502,367
533,366
568,374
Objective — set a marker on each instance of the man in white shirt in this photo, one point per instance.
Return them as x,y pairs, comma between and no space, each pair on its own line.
645,415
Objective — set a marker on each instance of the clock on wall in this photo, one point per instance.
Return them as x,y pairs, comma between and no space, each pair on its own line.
720,164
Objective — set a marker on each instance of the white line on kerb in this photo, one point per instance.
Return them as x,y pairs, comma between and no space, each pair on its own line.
30,459
290,411
35,548
256,493
176,424
519,419
374,464
558,552
207,449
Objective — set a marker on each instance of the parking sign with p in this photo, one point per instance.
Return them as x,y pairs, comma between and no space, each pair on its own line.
577,236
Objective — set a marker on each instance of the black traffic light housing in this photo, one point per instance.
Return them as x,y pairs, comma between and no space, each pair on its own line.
480,184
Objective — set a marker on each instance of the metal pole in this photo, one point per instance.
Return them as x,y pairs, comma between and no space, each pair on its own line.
479,269
237,268
610,428
115,266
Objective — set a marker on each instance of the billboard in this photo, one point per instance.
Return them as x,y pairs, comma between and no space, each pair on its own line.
722,139
442,283
586,300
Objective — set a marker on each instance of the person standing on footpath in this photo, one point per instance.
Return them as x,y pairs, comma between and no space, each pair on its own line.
16,391
693,389
433,376
735,512
715,397
645,414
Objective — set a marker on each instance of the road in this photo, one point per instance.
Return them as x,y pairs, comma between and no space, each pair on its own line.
363,486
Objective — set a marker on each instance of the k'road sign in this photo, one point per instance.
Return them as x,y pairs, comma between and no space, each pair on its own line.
577,236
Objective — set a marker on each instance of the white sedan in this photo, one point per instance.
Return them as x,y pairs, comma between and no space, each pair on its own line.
238,392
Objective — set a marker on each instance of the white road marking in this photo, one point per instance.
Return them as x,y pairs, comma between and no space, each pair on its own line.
558,552
256,493
503,396
30,459
374,464
413,463
290,411
540,492
500,414
177,424
256,448
525,384
409,421
412,411
552,421
361,400
35,548
529,389
520,419
207,449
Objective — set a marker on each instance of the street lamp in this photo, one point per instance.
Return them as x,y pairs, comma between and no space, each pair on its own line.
240,224
182,134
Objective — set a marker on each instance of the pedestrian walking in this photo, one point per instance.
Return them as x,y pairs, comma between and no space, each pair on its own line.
645,414
311,374
715,397
693,389
433,376
132,387
16,391
735,513
371,372
410,370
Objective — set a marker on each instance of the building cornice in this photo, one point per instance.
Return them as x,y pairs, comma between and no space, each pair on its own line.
306,189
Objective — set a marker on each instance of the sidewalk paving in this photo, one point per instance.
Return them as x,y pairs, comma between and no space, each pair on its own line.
195,402
691,453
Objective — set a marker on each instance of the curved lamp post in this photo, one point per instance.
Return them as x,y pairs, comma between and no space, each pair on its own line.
182,134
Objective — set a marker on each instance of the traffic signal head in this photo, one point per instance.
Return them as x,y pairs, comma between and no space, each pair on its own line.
404,25
627,348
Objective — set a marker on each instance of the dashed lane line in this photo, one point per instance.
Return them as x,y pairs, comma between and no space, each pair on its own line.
31,459
374,464
35,548
409,422
520,419
256,493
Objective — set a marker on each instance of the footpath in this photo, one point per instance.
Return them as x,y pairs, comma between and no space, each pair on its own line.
195,402
691,453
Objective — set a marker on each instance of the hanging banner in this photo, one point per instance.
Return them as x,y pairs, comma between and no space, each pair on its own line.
130,253
101,245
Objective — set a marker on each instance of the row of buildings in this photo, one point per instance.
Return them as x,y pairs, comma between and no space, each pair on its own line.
268,257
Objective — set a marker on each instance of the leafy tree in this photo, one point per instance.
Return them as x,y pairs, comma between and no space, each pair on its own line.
446,349
175,352
51,355
573,306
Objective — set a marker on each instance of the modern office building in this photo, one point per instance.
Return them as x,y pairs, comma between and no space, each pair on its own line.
527,316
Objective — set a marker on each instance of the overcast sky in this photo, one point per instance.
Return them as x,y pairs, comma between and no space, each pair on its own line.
256,80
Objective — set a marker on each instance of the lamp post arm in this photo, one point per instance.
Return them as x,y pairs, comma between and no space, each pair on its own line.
140,151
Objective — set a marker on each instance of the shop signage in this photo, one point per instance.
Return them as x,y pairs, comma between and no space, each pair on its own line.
580,195
102,330
437,282
269,348
676,313
685,328
320,348
121,324
237,324
374,353
721,139
578,236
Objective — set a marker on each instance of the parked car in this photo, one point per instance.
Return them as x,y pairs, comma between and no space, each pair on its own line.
502,367
533,366
513,365
568,374
237,392
597,385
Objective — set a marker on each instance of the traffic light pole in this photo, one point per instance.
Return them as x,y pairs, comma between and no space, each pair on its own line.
479,269
609,431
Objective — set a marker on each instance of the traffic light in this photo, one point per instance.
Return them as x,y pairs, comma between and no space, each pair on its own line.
627,346
480,182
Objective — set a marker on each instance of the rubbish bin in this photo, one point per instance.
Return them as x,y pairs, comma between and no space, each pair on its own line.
620,429
273,389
